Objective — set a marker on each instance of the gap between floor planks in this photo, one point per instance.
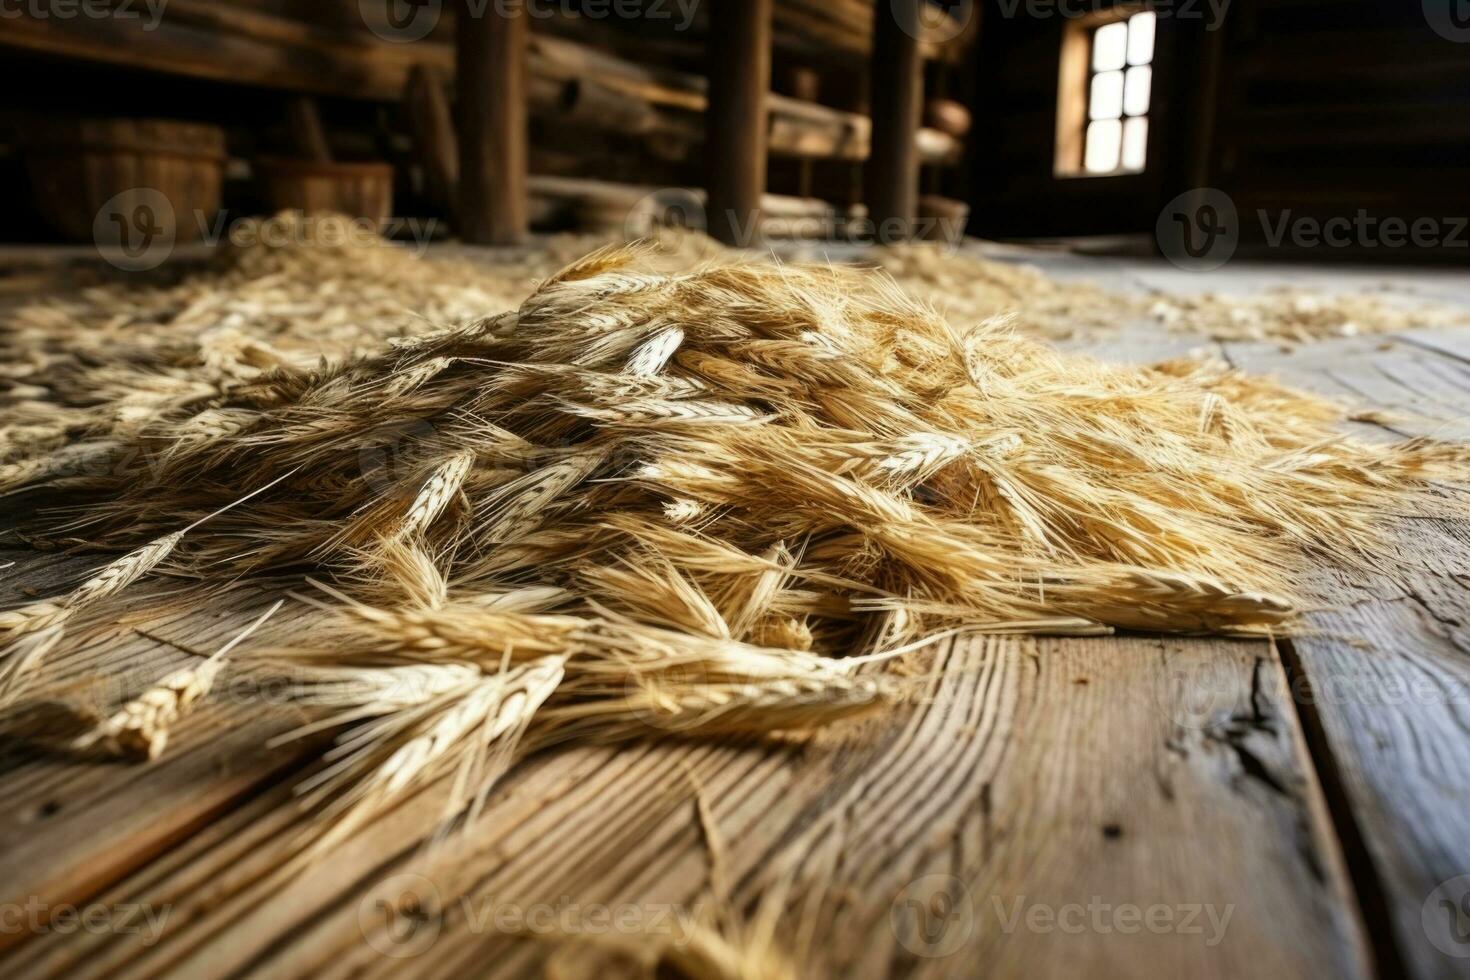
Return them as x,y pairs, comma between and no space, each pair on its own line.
1384,687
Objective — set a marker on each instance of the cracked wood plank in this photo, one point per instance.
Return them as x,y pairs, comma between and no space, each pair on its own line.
1384,687
1134,805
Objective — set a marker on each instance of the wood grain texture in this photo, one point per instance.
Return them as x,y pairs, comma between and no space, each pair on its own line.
1073,778
1386,681
70,827
1036,785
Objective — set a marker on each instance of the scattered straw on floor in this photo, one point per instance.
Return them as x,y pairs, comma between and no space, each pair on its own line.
691,503
969,288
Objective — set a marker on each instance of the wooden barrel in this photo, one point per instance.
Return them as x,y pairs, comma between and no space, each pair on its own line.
358,190
79,167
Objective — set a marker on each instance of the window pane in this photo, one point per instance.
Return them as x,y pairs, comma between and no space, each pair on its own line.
1135,143
1136,91
1141,38
1107,96
1110,47
1103,138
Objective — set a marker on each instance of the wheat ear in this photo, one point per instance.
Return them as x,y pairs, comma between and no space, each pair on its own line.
458,731
141,727
437,491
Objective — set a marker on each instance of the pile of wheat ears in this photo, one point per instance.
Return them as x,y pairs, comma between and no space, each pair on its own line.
707,503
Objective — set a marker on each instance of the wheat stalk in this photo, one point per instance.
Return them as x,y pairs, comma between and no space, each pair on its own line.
142,726
460,729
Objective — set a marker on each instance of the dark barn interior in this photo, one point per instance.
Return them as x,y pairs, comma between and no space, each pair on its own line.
735,489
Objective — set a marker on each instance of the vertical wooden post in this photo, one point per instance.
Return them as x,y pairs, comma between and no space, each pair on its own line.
898,104
735,124
491,78
1205,105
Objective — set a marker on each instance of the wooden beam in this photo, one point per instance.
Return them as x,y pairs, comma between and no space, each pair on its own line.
609,93
898,104
493,152
735,144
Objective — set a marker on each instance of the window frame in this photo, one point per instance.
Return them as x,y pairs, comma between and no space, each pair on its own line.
1074,94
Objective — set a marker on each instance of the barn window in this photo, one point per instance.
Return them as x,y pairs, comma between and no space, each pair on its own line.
1107,88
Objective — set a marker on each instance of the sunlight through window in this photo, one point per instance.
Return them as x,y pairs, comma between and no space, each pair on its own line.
1120,93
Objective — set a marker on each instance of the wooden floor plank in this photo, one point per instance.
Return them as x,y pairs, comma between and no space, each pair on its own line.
1038,781
1386,680
70,826
1087,777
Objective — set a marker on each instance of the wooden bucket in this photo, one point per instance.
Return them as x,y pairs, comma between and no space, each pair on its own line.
358,190
79,167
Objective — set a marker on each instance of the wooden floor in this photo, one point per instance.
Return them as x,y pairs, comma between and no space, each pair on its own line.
1112,807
